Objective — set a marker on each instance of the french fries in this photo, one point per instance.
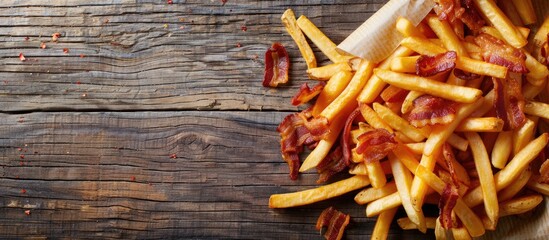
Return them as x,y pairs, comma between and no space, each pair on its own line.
412,170
289,21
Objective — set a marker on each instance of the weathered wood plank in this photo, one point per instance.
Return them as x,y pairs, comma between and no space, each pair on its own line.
91,175
143,55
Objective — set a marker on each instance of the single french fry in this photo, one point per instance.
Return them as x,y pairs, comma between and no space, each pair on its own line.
520,205
371,194
321,41
372,118
350,93
398,123
515,187
542,188
407,28
497,18
289,21
486,106
502,149
447,35
435,88
526,11
406,224
469,219
309,196
537,69
383,224
483,124
358,169
383,204
376,174
333,88
375,85
422,46
404,64
439,134
419,187
537,109
541,35
326,72
530,91
523,135
408,102
403,180
416,148
512,170
440,232
480,67
486,177
461,234
510,11
458,142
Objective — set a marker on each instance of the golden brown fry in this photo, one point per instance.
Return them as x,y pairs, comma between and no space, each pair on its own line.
408,103
305,197
326,72
447,35
542,188
480,67
373,119
497,18
484,124
376,174
486,177
541,35
358,169
471,221
321,41
333,88
502,149
416,148
289,21
461,234
398,123
526,11
435,88
515,187
406,224
510,11
537,69
523,135
520,205
422,46
404,64
371,194
419,187
407,28
383,204
383,224
537,109
457,142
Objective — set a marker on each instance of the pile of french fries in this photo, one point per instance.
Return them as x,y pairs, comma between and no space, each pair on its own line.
503,179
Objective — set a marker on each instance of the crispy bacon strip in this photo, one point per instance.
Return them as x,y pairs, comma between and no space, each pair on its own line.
277,64
509,102
427,66
305,93
465,75
447,202
449,158
430,110
346,136
318,127
498,52
331,165
445,10
294,135
374,145
335,221
469,15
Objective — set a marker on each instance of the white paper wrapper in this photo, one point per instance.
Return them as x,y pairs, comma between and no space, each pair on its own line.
376,38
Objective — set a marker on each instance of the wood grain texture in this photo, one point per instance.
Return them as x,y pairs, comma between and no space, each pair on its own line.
110,175
148,55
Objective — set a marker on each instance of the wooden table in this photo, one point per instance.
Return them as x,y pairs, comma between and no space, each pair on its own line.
148,120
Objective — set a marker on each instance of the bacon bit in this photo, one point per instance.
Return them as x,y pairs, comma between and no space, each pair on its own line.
55,37
224,1
465,75
332,164
27,38
498,52
449,158
22,57
170,1
430,110
43,45
394,94
427,66
318,127
445,10
28,212
305,93
244,28
22,156
82,56
65,50
447,202
346,135
509,103
374,145
23,191
469,15
132,178
21,119
173,156
19,149
277,64
238,45
335,221
544,172
21,163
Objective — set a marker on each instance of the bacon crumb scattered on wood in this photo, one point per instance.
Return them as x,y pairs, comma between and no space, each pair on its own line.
335,222
306,93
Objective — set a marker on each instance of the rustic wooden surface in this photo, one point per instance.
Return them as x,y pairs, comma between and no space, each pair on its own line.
87,137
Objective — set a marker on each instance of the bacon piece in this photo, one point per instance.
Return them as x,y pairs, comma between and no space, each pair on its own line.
465,75
394,94
22,57
430,110
447,202
469,15
449,158
544,172
544,52
445,10
305,93
498,52
318,127
346,136
331,165
277,64
509,103
374,145
427,66
335,222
